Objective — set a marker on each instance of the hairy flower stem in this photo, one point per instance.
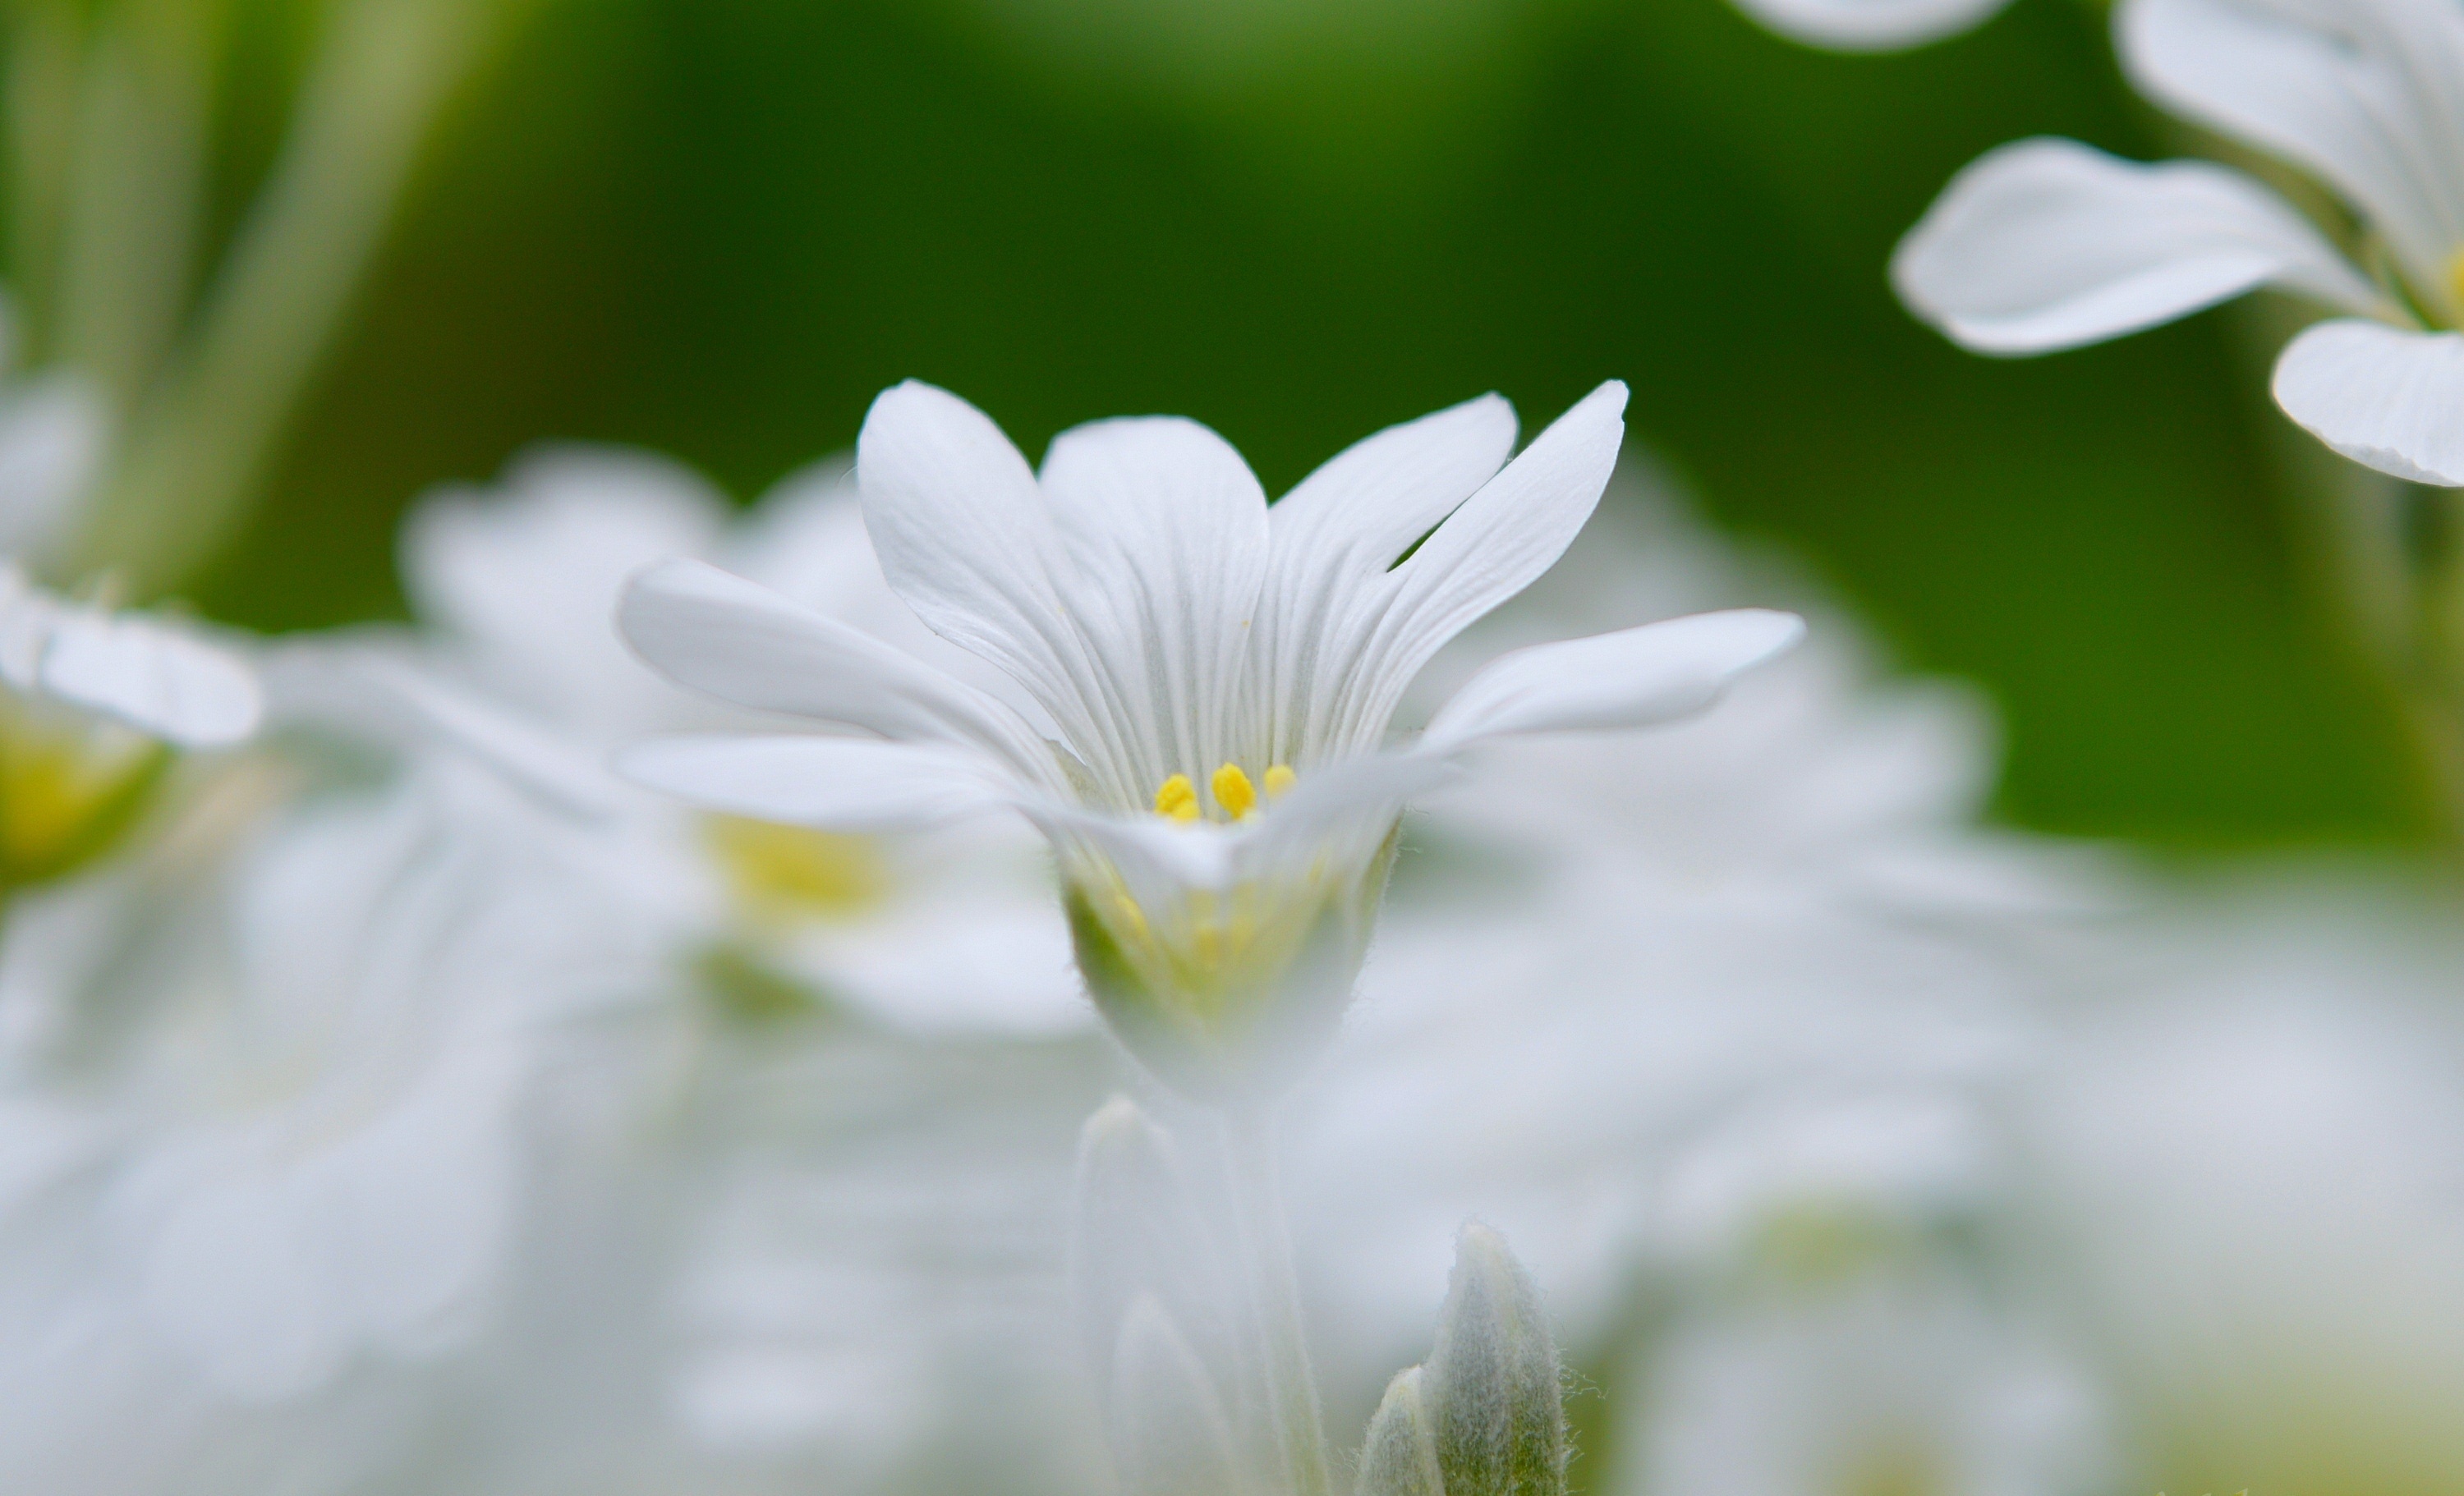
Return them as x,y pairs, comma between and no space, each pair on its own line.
1290,1401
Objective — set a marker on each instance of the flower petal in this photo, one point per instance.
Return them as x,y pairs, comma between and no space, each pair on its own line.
1869,25
357,688
721,635
1339,534
150,675
2385,396
1636,677
2367,94
1166,532
1345,809
965,538
1489,549
529,571
832,783
2047,244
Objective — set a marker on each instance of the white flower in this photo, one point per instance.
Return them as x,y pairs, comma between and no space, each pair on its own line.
1908,1388
1628,988
1869,25
1216,677
517,586
287,1095
2255,1148
2047,244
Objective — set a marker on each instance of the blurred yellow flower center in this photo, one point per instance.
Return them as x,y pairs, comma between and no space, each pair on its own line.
1234,795
785,872
2455,278
67,794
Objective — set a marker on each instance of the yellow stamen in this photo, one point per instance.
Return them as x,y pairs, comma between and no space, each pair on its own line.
1280,780
1178,798
2455,277
1233,791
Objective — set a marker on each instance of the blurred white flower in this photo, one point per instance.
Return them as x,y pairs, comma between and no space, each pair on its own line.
2252,1150
1869,25
270,1114
1642,995
1898,1387
954,931
2047,244
1220,676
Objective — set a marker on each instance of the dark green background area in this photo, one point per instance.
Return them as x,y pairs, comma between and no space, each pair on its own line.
717,227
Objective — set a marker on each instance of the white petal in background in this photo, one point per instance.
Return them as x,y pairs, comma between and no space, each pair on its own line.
149,675
2047,244
2366,95
2387,397
522,575
1869,25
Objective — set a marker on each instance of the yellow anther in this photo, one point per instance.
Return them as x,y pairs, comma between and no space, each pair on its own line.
1178,798
1233,791
1280,780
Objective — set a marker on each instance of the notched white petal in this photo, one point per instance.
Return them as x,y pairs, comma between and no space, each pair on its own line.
1869,25
1491,548
2047,244
961,531
829,783
2386,397
1636,677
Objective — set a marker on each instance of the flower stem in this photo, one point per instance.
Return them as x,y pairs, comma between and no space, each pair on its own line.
1291,1401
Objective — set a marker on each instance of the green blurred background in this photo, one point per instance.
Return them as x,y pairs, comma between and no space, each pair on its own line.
717,226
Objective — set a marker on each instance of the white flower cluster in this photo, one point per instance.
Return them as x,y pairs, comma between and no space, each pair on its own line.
629,1028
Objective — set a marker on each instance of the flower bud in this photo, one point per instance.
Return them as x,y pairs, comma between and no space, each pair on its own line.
1135,1232
1401,1455
1492,1382
1170,1436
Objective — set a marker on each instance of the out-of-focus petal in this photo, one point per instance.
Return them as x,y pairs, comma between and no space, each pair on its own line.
526,573
151,676
1636,677
2385,396
833,784
2367,94
2048,244
1869,25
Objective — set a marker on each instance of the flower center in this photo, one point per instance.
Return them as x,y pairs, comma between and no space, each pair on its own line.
787,875
1235,796
2456,279
67,791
